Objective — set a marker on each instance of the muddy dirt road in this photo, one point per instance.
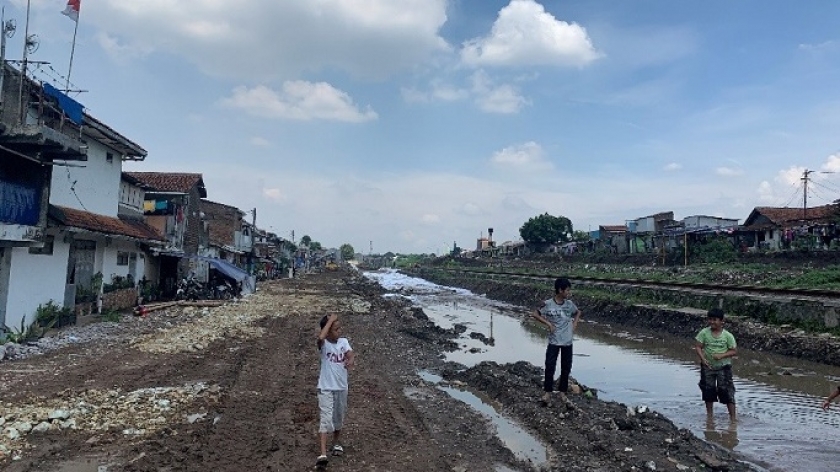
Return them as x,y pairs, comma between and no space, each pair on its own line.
233,389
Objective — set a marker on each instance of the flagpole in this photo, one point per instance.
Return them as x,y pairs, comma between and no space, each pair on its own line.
72,52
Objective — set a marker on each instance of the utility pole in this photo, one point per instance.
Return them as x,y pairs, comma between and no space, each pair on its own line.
252,255
805,177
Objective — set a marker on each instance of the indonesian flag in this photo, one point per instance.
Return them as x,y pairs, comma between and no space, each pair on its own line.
72,9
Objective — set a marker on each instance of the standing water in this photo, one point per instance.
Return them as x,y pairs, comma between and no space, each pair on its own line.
781,425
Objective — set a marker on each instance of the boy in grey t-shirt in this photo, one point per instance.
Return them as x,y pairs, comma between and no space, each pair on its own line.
561,316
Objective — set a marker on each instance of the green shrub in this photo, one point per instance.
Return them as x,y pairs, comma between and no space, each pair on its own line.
118,282
714,251
111,316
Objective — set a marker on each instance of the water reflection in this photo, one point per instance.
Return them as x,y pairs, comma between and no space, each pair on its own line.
726,436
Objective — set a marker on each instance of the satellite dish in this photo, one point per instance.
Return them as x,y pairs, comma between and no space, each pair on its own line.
9,27
32,43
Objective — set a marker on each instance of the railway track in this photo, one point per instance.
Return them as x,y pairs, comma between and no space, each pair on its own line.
748,290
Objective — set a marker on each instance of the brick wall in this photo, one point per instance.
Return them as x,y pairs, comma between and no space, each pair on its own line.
223,221
195,234
119,299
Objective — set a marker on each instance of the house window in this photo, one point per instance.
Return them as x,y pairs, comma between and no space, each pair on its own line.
122,258
109,158
46,249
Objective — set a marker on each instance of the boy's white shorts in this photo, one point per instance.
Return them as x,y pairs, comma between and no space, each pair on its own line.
333,405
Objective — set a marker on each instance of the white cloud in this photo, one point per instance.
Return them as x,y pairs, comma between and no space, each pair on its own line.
430,219
525,34
274,194
790,176
448,93
470,209
528,157
819,47
673,166
491,98
121,52
765,193
729,171
487,96
267,39
260,142
299,100
832,163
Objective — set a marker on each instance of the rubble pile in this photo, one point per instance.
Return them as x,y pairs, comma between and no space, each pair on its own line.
233,320
135,413
66,337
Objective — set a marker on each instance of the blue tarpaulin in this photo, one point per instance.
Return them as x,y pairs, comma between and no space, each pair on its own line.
225,268
70,107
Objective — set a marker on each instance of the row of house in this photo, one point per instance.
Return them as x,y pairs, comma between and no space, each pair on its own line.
765,228
72,220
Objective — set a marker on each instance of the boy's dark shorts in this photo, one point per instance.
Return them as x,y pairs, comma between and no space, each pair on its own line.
717,384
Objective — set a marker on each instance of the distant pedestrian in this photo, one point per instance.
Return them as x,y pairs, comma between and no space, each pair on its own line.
561,316
834,394
715,348
336,358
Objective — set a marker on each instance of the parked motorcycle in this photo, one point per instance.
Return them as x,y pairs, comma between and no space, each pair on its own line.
222,289
189,289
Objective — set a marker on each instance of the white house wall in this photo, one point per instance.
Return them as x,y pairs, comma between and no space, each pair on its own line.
645,225
35,279
709,221
96,185
110,260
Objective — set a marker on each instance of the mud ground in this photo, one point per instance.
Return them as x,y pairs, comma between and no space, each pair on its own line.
264,415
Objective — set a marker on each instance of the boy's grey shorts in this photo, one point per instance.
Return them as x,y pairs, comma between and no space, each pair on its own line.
717,384
333,405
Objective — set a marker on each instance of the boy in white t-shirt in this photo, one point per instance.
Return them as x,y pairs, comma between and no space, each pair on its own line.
336,358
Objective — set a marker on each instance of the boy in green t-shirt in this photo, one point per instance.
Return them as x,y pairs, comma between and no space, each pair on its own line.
715,348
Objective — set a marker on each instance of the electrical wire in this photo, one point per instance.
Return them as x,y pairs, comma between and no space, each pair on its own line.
813,191
73,189
829,186
824,186
792,197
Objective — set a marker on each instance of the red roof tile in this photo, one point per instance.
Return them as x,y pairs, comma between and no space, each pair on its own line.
786,216
170,181
104,224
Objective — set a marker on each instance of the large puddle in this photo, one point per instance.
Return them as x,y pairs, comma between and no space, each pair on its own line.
781,425
524,446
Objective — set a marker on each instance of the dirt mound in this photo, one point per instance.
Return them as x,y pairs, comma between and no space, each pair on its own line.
587,434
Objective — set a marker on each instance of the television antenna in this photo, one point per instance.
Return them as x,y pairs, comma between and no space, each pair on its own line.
32,43
9,27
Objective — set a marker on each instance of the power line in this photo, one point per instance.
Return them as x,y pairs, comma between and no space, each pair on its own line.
793,196
73,189
818,184
818,194
828,185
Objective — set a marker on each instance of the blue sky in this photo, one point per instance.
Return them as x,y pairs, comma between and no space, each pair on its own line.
413,124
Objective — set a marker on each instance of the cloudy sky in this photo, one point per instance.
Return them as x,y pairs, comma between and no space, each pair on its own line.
407,125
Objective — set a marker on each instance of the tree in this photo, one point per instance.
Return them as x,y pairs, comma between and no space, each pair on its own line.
315,246
580,236
305,240
347,252
545,229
